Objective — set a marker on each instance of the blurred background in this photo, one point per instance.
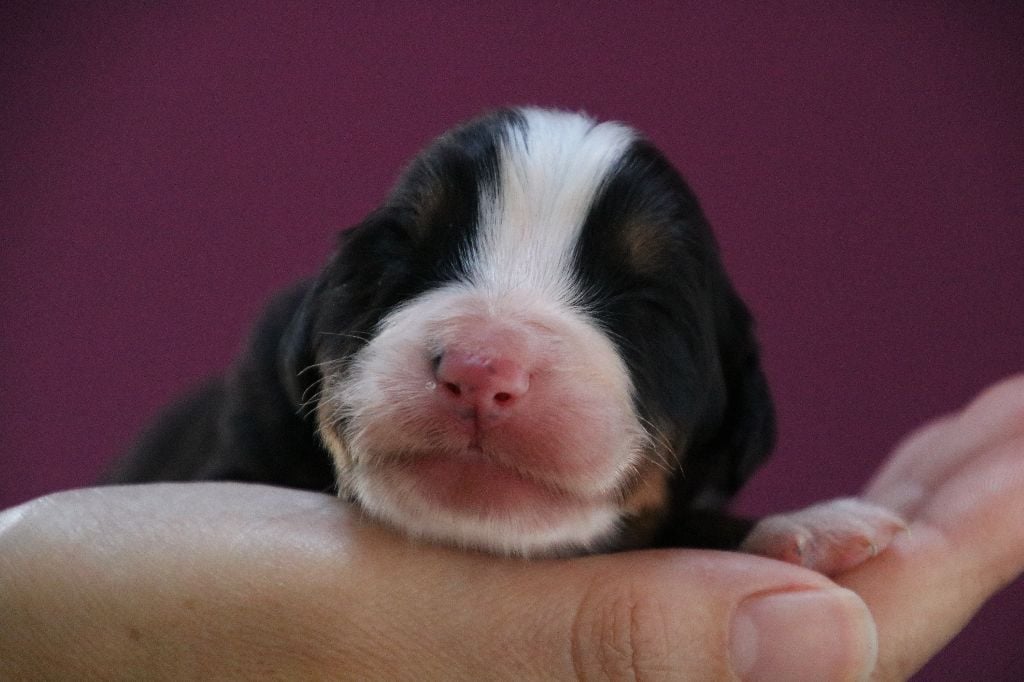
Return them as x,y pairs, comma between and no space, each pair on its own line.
165,168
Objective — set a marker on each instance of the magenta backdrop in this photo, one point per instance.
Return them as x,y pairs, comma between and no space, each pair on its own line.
164,169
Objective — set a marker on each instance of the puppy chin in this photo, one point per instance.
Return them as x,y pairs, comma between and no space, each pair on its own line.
560,528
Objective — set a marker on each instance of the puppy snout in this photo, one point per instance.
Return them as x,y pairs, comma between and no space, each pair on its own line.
482,384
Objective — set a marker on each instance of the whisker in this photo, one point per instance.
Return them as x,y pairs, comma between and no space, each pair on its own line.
365,337
661,453
320,365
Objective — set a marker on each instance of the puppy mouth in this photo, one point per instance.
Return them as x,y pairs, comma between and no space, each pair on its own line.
473,482
488,492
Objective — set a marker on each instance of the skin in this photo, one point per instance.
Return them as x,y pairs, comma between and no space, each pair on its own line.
234,581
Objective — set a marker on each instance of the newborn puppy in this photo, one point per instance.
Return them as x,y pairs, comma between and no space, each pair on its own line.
531,348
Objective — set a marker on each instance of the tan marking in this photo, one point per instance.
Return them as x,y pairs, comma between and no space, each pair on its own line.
645,244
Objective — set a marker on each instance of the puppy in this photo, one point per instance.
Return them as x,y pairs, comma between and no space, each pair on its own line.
531,348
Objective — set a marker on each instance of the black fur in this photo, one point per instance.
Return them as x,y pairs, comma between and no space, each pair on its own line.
245,426
654,281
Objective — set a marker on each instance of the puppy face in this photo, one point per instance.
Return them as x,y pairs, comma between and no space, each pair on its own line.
517,351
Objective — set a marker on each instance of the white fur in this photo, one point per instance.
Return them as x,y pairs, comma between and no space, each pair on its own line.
579,529
550,173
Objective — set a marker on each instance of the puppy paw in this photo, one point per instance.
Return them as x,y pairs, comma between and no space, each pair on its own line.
831,537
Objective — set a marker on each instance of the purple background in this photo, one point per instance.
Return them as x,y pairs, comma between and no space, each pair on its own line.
164,169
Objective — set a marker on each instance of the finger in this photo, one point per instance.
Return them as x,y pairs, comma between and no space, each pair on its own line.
697,615
965,542
973,498
921,595
980,513
936,451
279,583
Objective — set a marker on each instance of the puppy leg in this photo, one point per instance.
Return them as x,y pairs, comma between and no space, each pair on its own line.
831,537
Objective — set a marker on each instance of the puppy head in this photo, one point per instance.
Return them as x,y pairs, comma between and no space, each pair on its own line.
523,349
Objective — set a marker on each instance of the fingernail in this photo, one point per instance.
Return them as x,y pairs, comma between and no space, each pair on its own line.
825,634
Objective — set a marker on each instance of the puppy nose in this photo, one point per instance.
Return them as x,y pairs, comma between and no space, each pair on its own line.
481,384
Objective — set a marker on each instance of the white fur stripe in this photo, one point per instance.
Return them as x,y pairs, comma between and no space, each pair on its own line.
551,170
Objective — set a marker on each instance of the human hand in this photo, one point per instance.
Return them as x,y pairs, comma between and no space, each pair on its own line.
241,581
959,483
226,580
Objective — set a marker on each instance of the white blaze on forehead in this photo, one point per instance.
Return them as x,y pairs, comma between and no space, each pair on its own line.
550,171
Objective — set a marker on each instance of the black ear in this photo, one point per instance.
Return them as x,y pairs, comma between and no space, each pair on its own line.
745,428
731,438
748,425
735,429
296,356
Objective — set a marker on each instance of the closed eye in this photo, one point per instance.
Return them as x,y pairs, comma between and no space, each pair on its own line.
650,299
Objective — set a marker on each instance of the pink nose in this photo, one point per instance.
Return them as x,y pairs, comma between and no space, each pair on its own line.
479,384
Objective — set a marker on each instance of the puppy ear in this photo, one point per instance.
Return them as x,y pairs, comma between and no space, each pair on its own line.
750,417
746,432
296,356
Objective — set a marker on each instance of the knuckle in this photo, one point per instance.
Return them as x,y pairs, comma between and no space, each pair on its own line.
620,634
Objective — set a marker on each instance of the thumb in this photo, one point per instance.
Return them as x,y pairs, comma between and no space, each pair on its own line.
682,615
